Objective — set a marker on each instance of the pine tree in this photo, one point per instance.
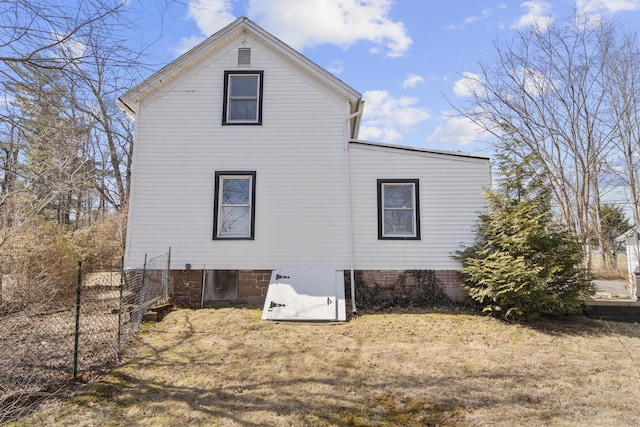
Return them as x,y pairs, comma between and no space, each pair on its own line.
523,264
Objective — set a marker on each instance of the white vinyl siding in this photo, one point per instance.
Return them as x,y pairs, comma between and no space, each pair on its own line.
301,200
298,155
451,195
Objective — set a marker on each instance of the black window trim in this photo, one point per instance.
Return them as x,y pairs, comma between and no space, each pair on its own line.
225,100
416,184
216,203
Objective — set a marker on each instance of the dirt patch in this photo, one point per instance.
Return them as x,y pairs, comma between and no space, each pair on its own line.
226,367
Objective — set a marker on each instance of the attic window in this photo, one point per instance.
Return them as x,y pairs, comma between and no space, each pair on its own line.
244,56
242,98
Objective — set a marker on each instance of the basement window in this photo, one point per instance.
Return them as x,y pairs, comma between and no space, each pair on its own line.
398,209
234,208
242,98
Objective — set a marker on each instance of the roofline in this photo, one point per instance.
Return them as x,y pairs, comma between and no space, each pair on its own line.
175,67
419,150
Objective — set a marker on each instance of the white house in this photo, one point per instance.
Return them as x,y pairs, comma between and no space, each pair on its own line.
247,164
631,239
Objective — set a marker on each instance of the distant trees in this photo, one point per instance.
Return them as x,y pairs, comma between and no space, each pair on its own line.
65,148
566,97
614,224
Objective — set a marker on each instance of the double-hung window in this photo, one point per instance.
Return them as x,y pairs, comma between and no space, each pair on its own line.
398,209
242,98
234,208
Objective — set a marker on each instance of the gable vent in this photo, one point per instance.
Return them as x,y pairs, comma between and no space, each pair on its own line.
244,56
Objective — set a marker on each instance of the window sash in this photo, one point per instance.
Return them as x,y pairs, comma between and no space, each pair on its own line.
398,209
234,210
243,98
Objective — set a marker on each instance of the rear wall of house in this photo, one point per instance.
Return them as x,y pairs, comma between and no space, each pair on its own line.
297,154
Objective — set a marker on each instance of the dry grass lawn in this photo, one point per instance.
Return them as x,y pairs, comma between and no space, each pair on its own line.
225,367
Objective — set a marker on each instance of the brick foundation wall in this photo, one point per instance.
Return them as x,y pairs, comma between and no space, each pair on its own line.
450,280
252,286
186,289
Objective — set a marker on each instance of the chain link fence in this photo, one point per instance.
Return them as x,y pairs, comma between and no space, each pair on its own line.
144,287
53,333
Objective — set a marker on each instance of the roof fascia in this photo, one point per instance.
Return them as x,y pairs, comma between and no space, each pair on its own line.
416,150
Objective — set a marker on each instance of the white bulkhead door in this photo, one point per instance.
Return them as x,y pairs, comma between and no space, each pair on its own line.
306,294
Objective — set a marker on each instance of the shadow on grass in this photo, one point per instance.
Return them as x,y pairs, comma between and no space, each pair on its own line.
368,403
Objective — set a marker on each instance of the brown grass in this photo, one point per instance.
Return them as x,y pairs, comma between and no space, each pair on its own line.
225,367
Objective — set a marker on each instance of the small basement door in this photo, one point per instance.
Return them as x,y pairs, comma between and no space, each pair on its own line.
307,294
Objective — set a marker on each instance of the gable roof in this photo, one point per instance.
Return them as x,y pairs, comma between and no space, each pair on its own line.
180,65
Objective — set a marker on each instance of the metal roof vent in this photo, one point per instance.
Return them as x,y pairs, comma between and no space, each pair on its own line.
244,56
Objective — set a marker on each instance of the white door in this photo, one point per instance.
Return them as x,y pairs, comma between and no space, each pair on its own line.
305,293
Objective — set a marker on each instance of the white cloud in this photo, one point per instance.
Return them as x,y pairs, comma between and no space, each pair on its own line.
538,15
210,15
412,80
378,134
469,84
336,67
535,82
609,6
69,48
310,23
385,116
187,43
457,130
484,14
317,22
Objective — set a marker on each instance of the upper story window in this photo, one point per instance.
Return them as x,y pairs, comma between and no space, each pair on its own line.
398,209
242,98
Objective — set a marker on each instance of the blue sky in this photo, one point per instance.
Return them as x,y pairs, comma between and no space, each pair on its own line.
407,57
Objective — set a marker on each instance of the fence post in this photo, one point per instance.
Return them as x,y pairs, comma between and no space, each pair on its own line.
144,277
77,335
120,304
141,297
166,287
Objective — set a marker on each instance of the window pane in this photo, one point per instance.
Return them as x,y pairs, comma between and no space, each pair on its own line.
398,196
235,221
244,86
398,222
243,110
235,191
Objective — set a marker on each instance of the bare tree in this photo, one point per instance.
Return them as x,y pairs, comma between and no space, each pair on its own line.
547,90
623,85
100,81
33,31
84,44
